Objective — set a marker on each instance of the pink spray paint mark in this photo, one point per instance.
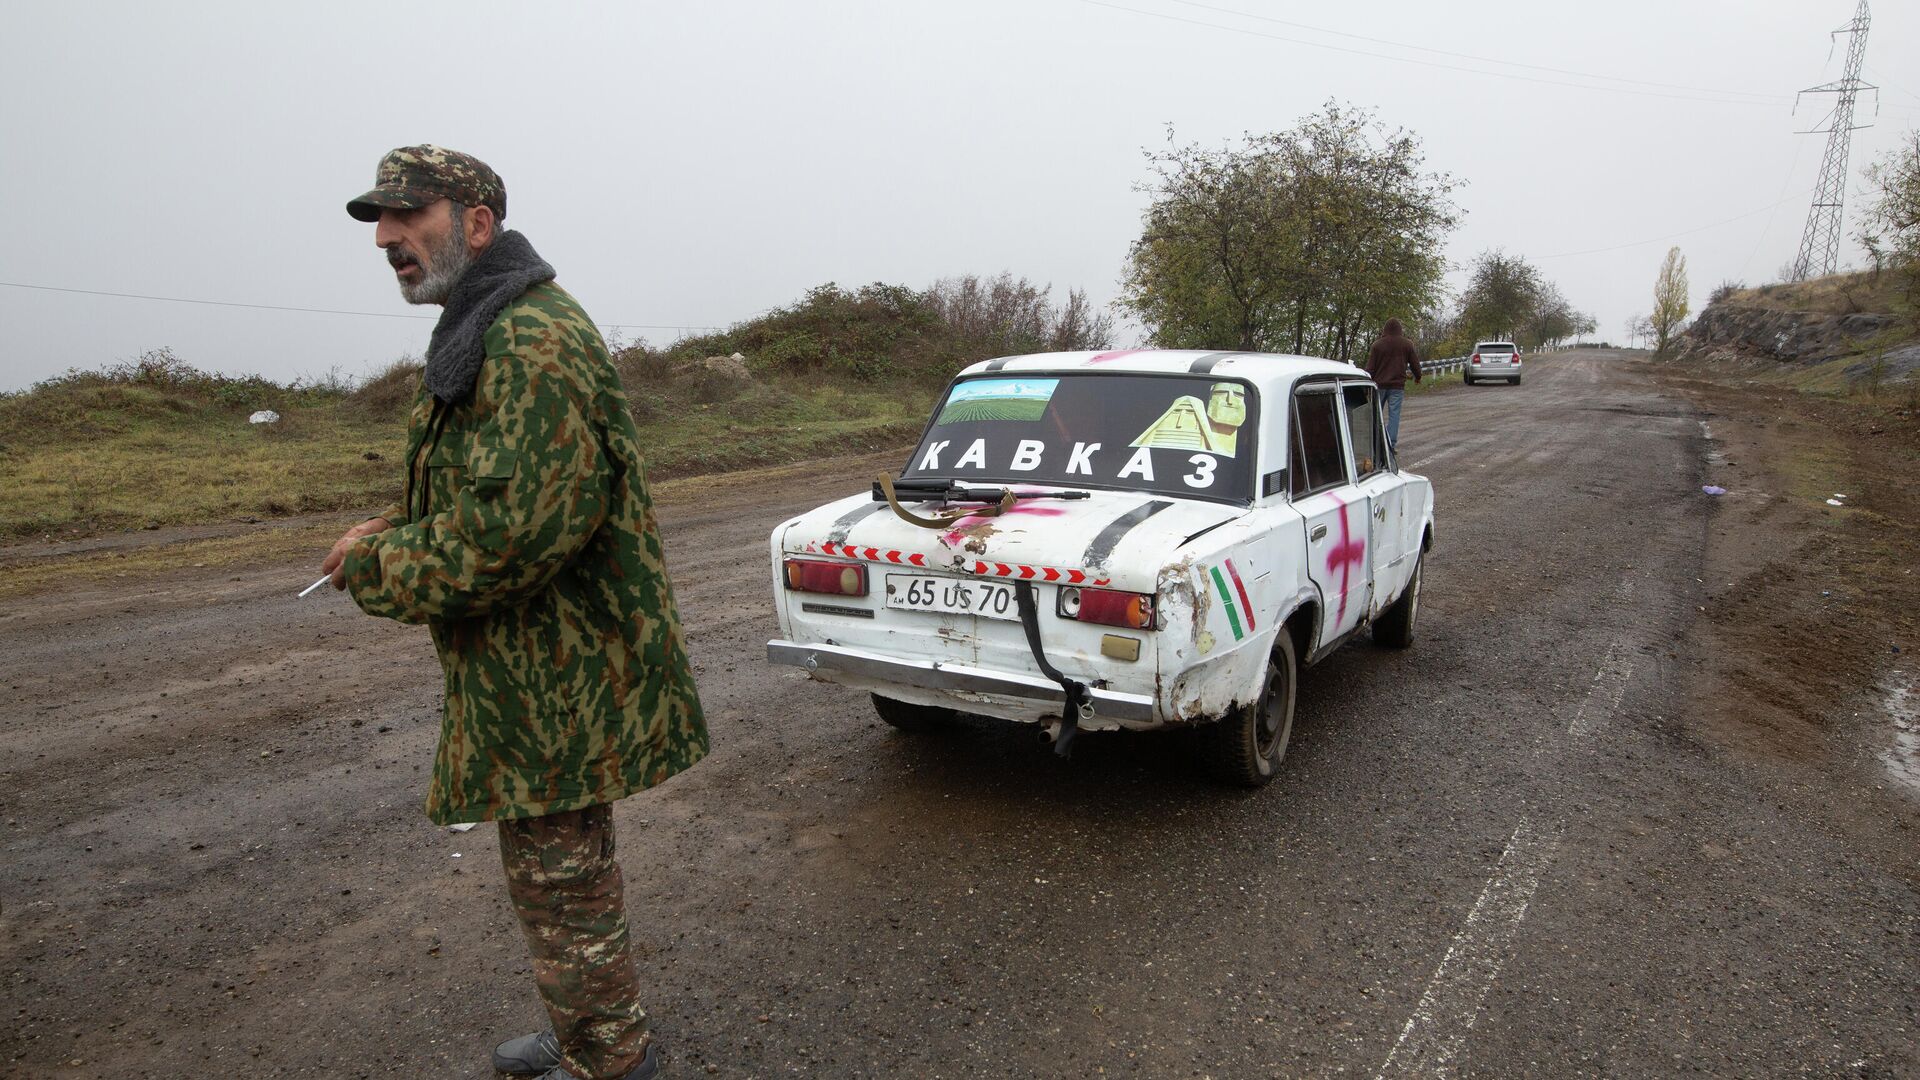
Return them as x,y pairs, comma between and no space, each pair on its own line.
1346,555
1114,355
1018,508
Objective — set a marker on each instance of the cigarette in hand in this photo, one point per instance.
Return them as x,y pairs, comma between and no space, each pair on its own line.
324,578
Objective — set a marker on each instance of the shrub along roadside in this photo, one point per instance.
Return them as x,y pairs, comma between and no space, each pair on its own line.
154,441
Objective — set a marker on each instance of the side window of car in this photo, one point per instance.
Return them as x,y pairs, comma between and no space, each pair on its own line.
1319,459
1363,427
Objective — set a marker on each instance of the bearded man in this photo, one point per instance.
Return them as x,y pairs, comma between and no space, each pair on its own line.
526,543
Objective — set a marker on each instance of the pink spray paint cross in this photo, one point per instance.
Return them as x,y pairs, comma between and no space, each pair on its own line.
1346,555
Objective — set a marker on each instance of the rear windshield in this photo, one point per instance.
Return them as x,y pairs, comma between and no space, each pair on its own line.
1494,346
1184,435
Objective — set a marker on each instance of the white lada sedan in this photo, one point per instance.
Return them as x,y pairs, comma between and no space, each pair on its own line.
1130,539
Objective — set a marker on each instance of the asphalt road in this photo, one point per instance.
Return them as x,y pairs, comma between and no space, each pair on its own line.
1499,853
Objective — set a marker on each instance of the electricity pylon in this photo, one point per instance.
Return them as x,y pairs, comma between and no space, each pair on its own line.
1820,244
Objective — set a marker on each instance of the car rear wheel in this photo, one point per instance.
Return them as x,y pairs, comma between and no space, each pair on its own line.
907,716
1394,628
1466,380
1246,747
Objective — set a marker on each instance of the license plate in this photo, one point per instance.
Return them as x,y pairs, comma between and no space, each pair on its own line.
953,596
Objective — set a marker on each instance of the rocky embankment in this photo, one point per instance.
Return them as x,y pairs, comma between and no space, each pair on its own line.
1790,336
1778,323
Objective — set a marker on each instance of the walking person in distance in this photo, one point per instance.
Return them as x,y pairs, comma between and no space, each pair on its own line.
1392,358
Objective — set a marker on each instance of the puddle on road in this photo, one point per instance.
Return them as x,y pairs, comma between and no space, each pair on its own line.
1902,759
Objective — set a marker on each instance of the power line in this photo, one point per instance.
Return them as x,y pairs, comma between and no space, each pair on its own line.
1777,99
1425,63
1889,84
1799,147
212,303
308,310
1675,236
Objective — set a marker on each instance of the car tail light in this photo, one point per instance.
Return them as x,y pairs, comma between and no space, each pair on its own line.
1108,607
1476,358
832,578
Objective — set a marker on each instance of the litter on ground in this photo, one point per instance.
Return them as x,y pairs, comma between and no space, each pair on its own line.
1713,489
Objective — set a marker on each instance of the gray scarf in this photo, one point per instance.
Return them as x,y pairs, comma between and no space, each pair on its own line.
459,346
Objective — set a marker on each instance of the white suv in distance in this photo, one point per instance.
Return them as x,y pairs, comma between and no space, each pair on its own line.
1127,539
1493,360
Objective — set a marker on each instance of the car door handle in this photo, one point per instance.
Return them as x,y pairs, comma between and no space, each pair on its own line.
1380,512
1319,532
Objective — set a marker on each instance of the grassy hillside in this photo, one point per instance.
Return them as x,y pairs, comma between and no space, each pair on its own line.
1836,294
153,441
1844,335
158,443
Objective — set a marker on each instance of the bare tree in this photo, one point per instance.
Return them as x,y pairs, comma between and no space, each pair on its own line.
1004,314
1639,328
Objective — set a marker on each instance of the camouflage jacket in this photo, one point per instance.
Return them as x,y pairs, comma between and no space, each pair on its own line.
527,545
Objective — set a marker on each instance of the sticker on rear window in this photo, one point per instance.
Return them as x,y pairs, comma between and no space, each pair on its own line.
998,399
1166,434
1190,424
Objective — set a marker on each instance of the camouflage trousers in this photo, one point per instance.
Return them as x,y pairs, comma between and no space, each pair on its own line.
566,889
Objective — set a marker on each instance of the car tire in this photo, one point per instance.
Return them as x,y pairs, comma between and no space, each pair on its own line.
1516,380
1394,627
906,716
1245,748
1466,380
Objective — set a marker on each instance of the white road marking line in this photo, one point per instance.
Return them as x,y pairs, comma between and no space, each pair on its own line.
1468,444
1448,1010
1615,665
1451,1004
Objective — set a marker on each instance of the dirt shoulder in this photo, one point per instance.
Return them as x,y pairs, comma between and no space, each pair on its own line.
1804,649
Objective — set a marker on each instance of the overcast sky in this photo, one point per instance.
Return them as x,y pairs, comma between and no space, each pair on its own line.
691,164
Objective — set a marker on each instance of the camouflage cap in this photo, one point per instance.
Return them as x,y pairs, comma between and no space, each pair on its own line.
414,176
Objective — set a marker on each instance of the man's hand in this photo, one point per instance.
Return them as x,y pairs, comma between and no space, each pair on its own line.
335,562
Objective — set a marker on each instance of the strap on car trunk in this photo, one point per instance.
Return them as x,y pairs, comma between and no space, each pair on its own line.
941,519
1077,703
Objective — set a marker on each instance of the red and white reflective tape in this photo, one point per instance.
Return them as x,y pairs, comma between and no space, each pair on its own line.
983,569
1036,573
885,555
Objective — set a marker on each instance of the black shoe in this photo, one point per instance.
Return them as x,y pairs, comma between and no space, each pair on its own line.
528,1054
648,1068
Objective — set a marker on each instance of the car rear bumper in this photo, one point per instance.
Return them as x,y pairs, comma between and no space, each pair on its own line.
867,669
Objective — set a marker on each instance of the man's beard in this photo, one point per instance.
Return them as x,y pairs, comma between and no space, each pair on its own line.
444,266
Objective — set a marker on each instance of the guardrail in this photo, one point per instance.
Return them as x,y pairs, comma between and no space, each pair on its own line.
1441,367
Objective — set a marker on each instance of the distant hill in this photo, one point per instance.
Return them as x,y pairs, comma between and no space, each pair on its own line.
155,441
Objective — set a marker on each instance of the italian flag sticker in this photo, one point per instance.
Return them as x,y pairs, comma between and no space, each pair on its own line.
1226,599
